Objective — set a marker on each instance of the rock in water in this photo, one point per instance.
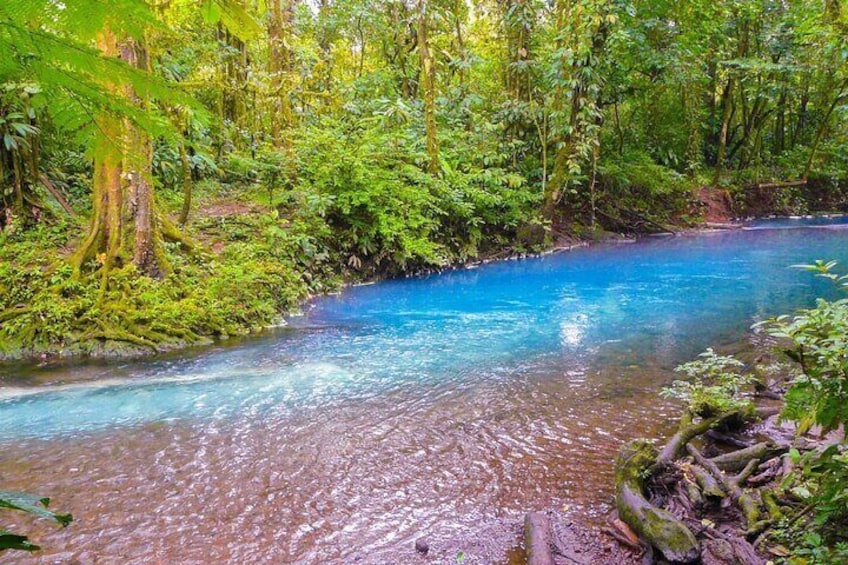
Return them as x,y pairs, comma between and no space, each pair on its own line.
421,546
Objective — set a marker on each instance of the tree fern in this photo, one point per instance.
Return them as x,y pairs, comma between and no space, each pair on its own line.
49,43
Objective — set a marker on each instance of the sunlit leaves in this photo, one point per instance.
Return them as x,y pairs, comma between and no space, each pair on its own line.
232,15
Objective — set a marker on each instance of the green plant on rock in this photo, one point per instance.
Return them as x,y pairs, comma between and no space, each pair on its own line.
714,386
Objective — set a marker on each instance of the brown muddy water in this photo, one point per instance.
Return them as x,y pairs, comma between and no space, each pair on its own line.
354,484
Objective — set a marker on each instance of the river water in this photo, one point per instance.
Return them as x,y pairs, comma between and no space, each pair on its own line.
442,407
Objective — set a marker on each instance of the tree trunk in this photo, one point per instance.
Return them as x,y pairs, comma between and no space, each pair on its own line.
823,128
780,123
428,89
722,136
657,526
187,185
124,223
518,34
325,44
569,153
281,67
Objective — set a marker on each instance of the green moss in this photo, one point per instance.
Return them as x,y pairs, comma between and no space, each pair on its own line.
45,309
659,527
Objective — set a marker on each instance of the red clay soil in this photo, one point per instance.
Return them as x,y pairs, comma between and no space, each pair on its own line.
716,204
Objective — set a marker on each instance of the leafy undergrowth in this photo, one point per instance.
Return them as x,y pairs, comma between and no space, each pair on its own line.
240,282
257,256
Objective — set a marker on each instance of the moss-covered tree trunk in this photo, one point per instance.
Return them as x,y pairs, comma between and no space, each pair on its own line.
124,226
727,113
139,208
428,88
185,165
578,88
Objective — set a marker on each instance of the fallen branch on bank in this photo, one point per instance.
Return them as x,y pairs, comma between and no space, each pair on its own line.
57,195
537,539
785,184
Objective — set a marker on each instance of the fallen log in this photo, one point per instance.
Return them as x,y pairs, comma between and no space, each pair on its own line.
658,527
785,184
537,539
57,195
722,226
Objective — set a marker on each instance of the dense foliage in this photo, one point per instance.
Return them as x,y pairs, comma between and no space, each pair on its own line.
818,396
714,385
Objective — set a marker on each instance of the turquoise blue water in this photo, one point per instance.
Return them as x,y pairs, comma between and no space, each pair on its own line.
659,299
442,407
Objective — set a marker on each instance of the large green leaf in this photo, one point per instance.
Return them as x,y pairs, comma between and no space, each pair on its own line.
8,540
33,504
233,16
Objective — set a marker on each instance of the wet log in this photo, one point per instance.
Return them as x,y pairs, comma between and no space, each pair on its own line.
658,527
537,539
737,460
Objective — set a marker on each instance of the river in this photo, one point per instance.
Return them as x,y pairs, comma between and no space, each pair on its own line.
442,406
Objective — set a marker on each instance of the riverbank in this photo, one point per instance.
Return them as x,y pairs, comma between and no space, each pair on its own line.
739,479
250,266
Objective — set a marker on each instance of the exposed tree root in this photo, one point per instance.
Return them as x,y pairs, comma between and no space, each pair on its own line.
732,485
661,529
114,334
687,431
737,460
660,494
